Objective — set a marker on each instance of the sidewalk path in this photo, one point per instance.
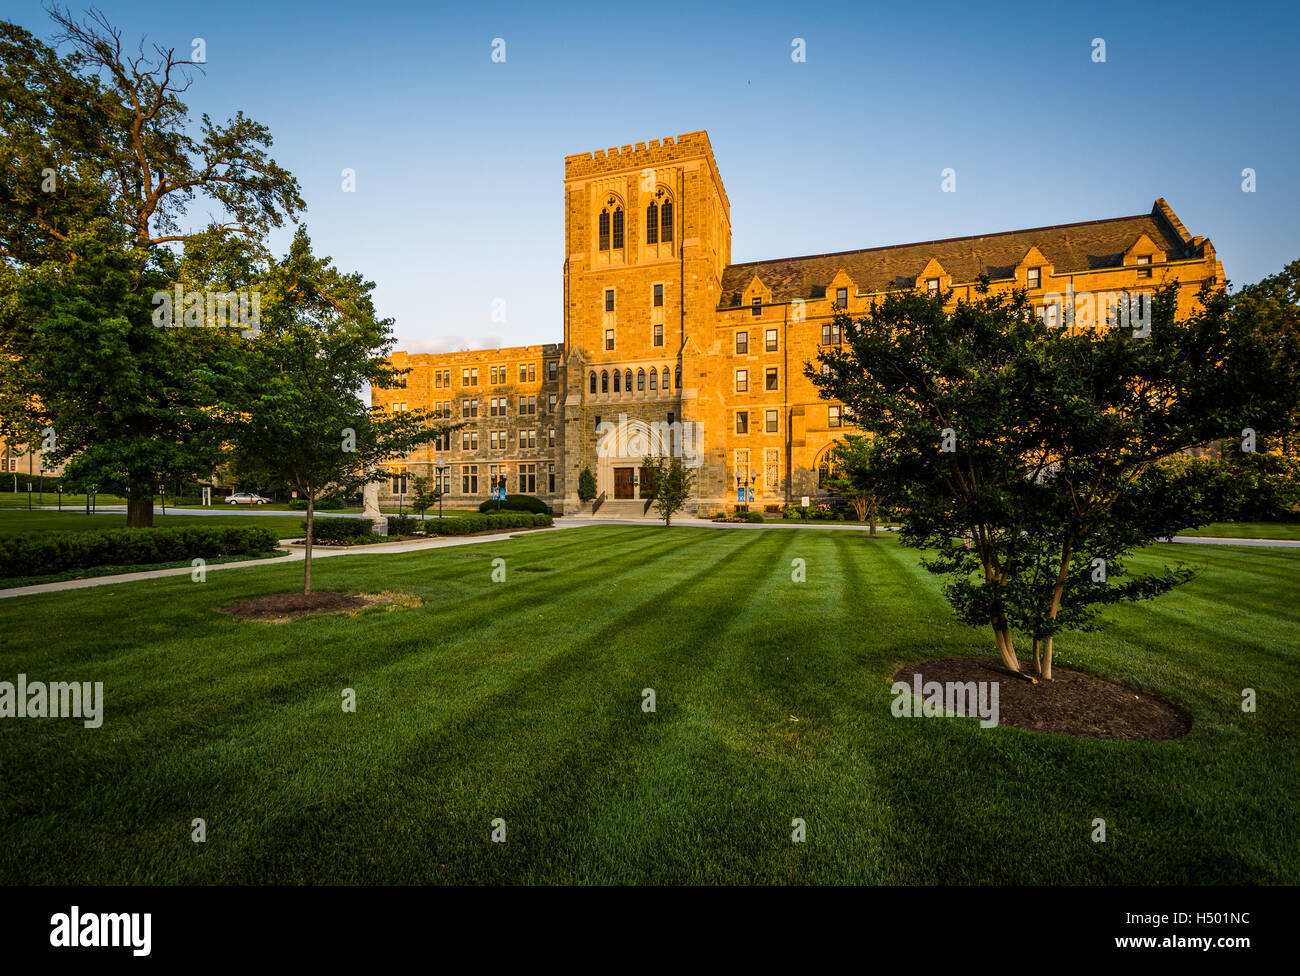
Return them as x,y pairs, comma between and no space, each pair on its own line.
297,555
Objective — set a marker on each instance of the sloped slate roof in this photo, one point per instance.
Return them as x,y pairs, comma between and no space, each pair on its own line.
1083,246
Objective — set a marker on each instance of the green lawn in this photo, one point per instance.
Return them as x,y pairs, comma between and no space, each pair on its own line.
522,700
32,523
1248,530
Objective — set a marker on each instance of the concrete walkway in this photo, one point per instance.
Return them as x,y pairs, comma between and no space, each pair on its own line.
297,553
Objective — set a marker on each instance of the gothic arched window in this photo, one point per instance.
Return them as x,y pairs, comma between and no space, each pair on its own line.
666,222
652,223
593,381
654,379
627,381
604,230
665,374
604,381
640,380
679,377
617,375
617,229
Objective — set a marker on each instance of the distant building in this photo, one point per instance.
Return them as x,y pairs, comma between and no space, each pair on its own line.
670,348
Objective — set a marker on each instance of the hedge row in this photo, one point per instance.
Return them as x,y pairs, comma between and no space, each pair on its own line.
338,529
466,524
41,555
516,503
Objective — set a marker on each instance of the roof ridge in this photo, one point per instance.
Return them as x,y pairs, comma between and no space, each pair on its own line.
943,240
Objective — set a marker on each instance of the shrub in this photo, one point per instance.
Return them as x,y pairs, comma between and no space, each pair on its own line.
516,503
489,522
401,524
586,485
755,517
43,555
339,529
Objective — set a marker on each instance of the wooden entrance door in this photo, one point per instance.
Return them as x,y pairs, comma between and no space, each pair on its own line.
623,483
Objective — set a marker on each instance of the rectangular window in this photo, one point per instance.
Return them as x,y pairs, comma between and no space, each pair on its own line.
523,405
742,422
523,373
532,405
528,438
552,401
742,343
532,372
742,381
550,437
770,379
550,478
1034,277
473,407
771,470
528,479
659,296
831,334
437,379
932,286
1144,272
399,484
609,299
658,333
464,377
833,416
756,306
609,339
841,298
771,340
469,479
552,370
464,408
494,376
771,421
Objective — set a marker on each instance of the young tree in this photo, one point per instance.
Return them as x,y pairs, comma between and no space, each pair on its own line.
306,421
425,495
586,485
103,166
860,477
1028,453
672,481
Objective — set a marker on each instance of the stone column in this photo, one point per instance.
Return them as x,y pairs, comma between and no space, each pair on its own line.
370,496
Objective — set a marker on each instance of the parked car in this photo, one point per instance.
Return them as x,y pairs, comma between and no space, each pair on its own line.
247,498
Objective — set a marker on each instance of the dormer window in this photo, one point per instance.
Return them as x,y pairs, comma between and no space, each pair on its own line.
756,306
1144,266
932,286
1034,277
841,298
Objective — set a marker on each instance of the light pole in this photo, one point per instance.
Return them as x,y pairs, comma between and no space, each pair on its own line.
441,468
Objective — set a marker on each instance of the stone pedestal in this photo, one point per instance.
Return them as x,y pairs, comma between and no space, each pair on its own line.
370,497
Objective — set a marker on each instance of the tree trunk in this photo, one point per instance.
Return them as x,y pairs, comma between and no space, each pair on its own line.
139,511
1006,647
311,513
1066,552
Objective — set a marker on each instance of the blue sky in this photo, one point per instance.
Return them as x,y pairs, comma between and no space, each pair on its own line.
459,160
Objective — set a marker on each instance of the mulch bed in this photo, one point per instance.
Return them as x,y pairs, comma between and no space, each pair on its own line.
1072,703
279,607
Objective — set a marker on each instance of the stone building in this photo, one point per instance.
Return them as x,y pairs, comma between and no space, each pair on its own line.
669,347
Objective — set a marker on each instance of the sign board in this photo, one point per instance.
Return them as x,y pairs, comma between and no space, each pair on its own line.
804,501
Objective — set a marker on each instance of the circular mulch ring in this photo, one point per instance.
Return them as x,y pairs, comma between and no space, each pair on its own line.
1072,703
279,607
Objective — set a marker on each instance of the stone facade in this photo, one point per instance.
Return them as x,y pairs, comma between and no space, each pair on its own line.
670,348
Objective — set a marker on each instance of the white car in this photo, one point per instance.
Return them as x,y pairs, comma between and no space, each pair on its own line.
247,498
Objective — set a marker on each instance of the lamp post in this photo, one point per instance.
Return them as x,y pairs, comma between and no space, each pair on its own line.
752,478
441,468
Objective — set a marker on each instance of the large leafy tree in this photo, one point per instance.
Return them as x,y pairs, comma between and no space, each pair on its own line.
308,422
671,482
1029,455
101,169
